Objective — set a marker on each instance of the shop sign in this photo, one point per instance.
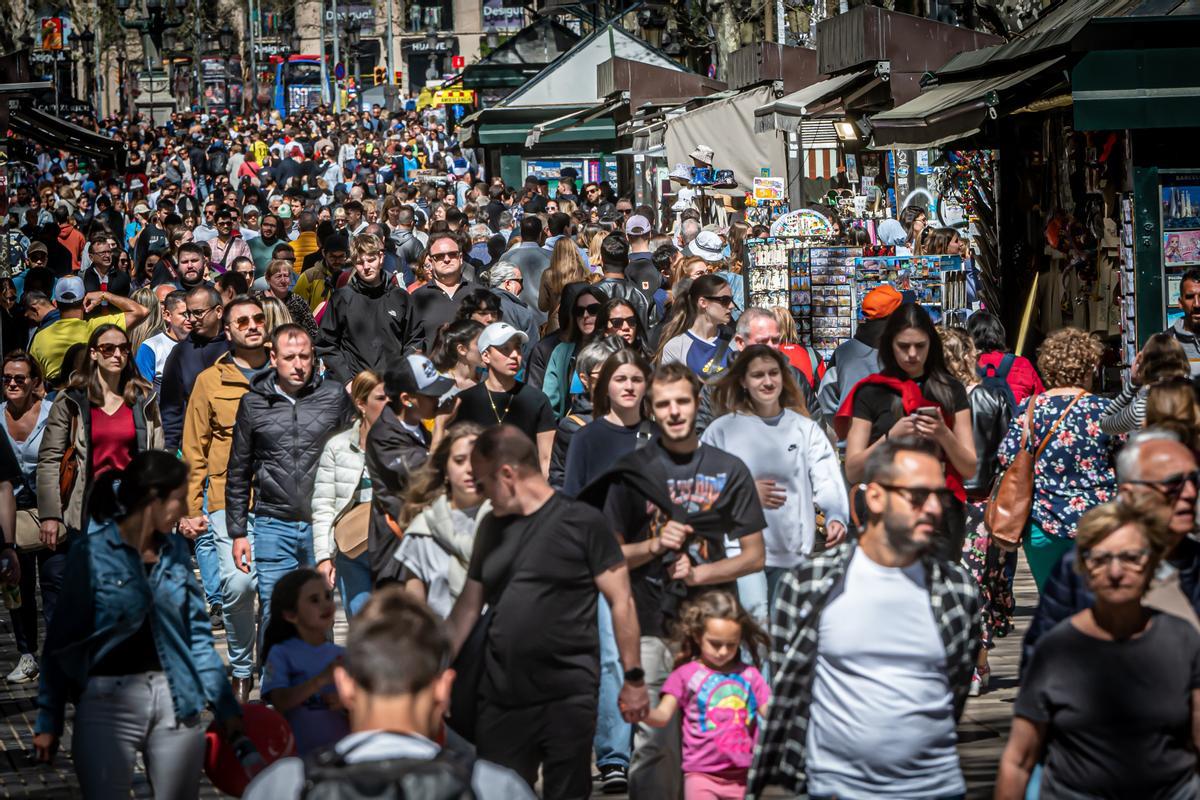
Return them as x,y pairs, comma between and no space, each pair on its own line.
502,16
769,188
346,13
450,97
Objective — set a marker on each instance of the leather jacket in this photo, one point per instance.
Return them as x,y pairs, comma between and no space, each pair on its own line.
990,417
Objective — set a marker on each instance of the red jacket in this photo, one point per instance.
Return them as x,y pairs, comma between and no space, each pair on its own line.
1022,378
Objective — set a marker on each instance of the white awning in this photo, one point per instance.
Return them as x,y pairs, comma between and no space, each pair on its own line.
785,113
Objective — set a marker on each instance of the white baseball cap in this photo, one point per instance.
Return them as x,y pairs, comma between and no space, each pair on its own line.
499,333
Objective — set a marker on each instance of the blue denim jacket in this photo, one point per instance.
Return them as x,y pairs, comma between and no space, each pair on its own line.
106,595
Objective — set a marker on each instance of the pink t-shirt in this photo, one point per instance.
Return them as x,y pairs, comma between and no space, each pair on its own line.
721,715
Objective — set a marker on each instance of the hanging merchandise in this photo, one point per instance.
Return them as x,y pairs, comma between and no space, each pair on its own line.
937,283
802,222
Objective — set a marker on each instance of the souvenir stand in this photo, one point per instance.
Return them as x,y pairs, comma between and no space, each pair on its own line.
938,283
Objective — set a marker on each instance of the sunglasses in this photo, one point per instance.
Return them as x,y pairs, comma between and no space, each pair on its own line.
1133,559
621,322
450,255
16,380
588,310
725,300
1172,486
108,350
916,496
242,323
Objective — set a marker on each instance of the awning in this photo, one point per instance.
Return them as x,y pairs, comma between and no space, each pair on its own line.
574,119
1123,89
725,127
785,113
958,110
54,132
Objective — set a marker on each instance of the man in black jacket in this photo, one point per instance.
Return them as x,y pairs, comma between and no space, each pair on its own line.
436,303
368,323
281,428
199,351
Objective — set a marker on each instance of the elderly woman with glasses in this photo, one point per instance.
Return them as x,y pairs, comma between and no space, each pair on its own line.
1109,699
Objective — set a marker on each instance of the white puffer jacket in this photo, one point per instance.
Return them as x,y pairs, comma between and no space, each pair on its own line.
338,474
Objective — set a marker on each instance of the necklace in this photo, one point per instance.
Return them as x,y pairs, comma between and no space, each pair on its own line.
507,407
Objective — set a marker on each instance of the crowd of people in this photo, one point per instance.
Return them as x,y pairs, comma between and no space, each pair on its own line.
593,522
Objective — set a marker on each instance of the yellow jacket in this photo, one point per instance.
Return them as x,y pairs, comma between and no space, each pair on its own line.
305,245
208,431
313,285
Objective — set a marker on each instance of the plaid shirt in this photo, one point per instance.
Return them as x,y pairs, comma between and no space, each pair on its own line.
779,758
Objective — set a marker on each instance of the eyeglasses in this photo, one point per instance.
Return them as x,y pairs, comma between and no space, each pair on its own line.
1133,559
590,310
625,211
196,315
725,300
450,255
1173,486
16,380
918,496
242,323
107,350
622,322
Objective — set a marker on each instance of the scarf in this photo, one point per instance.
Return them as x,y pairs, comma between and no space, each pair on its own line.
911,398
437,522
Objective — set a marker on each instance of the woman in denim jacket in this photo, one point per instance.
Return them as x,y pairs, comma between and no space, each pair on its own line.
135,654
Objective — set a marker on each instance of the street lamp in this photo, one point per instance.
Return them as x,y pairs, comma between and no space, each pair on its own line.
160,16
353,37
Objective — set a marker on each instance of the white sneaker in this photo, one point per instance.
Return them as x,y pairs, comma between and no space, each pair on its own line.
25,671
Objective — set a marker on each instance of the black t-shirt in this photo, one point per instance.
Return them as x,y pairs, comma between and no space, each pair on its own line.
879,405
539,578
524,407
1118,713
708,479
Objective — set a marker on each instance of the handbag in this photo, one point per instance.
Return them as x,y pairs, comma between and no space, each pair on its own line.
29,534
68,468
352,525
1008,509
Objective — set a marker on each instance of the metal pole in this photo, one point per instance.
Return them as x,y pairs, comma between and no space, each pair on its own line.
780,38
97,72
391,64
251,18
324,70
200,101
337,34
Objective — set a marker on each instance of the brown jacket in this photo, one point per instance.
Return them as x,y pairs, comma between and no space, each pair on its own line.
208,431
73,404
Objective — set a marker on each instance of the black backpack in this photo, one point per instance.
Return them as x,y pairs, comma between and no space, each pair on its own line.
996,378
447,776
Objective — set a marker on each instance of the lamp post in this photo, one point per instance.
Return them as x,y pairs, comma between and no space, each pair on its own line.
353,38
159,17
86,41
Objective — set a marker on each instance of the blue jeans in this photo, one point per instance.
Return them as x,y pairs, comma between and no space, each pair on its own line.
237,597
353,582
614,736
279,546
209,562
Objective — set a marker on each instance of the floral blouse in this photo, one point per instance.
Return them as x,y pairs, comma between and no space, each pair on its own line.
1075,471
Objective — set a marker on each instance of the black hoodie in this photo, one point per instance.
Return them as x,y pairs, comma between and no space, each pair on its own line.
367,327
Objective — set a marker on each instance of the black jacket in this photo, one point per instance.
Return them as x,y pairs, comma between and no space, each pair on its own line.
187,360
393,453
432,308
579,415
367,327
276,446
630,292
990,415
118,281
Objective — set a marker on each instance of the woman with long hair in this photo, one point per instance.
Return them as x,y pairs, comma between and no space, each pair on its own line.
106,415
990,418
560,369
275,311
1171,404
25,412
913,395
341,484
618,318
152,324
595,245
1161,358
454,352
689,268
735,239
802,357
136,651
566,266
940,242
442,509
761,416
692,337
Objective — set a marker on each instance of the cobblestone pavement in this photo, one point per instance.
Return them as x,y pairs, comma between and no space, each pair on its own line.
982,732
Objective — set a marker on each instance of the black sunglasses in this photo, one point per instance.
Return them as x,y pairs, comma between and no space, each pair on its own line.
1173,485
918,496
725,300
590,310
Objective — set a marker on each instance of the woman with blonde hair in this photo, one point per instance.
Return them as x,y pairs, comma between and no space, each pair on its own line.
276,313
566,266
594,245
152,324
1171,404
1161,358
341,486
802,357
689,268
442,510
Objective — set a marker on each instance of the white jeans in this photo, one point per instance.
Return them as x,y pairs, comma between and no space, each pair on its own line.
119,716
655,768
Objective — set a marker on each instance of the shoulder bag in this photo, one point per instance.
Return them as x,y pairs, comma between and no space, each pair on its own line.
1008,509
68,468
352,525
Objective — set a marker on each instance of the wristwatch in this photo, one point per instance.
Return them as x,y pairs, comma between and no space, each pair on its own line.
635,675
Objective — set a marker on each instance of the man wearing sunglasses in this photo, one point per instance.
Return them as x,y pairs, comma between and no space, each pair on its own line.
894,639
200,350
207,435
1153,464
436,303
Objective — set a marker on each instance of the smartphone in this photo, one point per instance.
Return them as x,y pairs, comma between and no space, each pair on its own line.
929,411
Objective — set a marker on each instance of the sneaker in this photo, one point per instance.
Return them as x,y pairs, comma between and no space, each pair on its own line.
25,671
217,617
979,681
613,779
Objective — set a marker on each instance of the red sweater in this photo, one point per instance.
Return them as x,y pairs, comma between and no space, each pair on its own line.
1022,378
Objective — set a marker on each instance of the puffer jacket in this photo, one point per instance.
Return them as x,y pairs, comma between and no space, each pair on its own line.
339,474
208,432
276,446
367,327
73,404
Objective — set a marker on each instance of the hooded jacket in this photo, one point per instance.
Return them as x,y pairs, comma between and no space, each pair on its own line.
276,446
853,360
367,327
187,360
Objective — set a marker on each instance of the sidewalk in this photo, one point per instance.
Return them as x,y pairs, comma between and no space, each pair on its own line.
982,732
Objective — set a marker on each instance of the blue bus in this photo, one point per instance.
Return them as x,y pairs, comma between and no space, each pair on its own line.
297,83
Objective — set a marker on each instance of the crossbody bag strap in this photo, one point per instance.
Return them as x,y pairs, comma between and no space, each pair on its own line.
1046,441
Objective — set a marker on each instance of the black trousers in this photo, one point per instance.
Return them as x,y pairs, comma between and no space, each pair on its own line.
556,736
42,569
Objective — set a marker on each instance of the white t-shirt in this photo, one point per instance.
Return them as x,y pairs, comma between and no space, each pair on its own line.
882,716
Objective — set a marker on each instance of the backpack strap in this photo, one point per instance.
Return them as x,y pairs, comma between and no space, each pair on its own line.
1006,364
